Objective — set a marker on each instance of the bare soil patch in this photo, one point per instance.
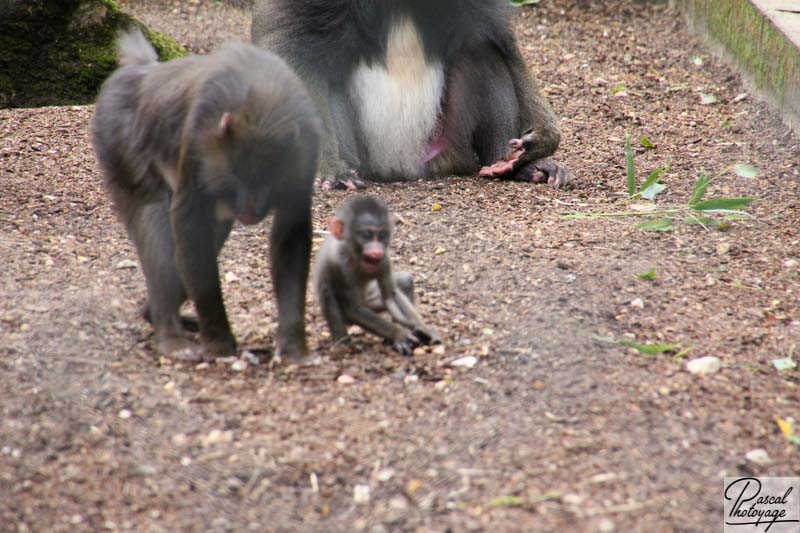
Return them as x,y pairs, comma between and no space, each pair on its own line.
551,430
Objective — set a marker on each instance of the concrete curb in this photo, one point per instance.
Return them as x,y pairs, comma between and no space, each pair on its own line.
762,38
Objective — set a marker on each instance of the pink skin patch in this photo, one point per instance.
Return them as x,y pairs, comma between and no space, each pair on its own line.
435,148
437,144
369,268
371,258
352,183
506,165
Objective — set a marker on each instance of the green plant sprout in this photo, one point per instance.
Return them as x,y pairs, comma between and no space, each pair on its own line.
697,211
648,349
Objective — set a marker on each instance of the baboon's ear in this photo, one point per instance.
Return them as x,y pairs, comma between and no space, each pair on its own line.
336,228
225,124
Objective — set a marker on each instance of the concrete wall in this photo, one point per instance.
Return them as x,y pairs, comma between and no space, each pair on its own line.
762,38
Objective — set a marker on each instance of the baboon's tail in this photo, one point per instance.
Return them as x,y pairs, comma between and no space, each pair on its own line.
134,49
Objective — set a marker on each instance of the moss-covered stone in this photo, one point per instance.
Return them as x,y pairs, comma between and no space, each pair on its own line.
760,49
60,51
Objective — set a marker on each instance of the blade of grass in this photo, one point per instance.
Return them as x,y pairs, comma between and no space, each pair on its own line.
648,349
630,166
699,189
623,214
723,205
642,348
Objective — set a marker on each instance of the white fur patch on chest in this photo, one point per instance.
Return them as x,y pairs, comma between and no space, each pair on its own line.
398,103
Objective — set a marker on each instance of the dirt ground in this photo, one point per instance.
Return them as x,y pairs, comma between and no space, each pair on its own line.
552,430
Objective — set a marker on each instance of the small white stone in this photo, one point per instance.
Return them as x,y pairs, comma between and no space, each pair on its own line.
361,494
384,475
398,503
758,456
239,365
230,277
344,379
605,477
637,303
704,365
411,378
250,357
438,349
217,436
355,331
465,362
606,525
125,414
126,263
146,470
572,499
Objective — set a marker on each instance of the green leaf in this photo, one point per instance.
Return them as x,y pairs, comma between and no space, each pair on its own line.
682,353
651,186
722,204
506,501
647,144
652,191
644,349
661,224
649,349
697,60
619,89
745,171
786,363
630,166
707,99
794,439
650,275
700,187
520,3
735,216
653,178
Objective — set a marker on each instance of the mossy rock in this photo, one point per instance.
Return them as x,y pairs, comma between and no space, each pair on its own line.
56,52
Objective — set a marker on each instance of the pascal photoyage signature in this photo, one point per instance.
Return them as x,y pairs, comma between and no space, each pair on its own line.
747,490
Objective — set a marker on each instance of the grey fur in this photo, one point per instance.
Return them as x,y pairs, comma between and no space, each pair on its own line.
489,95
186,146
